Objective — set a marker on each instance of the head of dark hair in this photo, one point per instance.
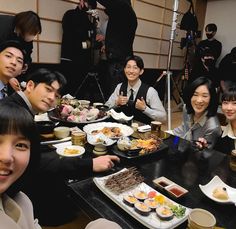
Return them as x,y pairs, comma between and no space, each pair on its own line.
229,94
190,89
138,60
13,43
28,22
15,119
43,75
211,27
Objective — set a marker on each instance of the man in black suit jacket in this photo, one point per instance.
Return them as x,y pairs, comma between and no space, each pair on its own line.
48,190
119,38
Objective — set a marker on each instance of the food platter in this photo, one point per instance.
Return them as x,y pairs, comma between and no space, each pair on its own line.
130,155
151,220
215,182
54,115
124,129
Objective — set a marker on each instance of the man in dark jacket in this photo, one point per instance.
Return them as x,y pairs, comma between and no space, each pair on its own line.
119,38
48,190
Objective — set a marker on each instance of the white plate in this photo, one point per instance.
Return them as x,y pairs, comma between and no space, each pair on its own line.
151,221
217,182
125,130
93,139
55,141
119,116
61,149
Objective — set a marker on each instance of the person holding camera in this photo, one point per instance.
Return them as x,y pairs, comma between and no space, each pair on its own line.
227,70
210,43
79,32
205,66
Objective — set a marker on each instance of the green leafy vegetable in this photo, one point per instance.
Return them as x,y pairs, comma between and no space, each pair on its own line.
179,211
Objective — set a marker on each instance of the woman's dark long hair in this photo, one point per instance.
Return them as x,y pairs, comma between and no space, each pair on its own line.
190,89
229,94
15,119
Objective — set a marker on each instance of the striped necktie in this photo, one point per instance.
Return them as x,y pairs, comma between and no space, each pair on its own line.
4,91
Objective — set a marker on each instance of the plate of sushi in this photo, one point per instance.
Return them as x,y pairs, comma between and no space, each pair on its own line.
151,208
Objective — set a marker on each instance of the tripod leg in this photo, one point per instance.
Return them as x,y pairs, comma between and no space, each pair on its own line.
100,89
81,85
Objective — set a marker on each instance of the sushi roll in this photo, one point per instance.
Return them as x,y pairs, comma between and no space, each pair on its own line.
130,200
142,208
164,213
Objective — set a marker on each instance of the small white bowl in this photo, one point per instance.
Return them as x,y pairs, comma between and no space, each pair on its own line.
61,132
70,151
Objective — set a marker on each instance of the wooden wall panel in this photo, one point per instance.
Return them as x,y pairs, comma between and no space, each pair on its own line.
55,29
143,44
54,9
15,6
149,29
149,12
49,53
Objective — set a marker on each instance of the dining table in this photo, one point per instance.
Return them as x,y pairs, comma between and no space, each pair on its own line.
179,161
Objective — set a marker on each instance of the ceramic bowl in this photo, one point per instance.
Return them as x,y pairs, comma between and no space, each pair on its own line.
61,132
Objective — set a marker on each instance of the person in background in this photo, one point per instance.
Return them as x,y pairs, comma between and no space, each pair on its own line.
19,160
136,98
12,58
205,66
200,122
43,87
119,38
228,137
78,47
24,27
214,45
227,70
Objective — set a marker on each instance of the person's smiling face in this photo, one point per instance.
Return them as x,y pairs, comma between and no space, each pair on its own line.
132,71
14,158
42,96
200,100
229,110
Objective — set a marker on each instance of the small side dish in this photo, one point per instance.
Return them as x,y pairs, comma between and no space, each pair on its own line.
176,190
215,190
162,182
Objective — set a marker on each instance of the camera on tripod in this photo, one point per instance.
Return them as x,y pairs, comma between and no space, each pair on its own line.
188,41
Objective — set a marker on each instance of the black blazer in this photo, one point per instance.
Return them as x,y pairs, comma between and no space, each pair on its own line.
225,145
48,191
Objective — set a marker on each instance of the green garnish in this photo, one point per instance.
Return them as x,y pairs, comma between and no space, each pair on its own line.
179,211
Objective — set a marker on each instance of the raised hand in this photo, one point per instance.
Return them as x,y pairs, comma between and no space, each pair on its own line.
140,104
122,100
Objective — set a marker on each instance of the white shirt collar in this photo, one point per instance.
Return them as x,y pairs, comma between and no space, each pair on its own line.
135,87
228,131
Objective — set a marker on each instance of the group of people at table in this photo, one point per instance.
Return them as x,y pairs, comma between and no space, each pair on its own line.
20,159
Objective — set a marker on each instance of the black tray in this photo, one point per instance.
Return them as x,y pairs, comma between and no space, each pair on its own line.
130,154
55,116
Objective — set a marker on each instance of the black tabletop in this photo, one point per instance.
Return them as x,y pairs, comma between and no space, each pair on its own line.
181,163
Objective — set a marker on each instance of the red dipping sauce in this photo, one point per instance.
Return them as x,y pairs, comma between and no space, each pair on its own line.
176,191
